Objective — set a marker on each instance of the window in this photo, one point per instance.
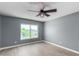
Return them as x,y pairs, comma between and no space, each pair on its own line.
25,31
34,31
29,31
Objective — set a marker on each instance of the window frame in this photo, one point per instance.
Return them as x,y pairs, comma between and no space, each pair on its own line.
37,31
30,32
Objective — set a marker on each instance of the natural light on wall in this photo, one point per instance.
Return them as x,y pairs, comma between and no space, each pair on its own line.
29,31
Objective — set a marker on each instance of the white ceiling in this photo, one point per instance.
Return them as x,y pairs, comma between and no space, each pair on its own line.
19,9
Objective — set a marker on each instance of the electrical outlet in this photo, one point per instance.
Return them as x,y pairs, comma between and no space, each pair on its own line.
15,42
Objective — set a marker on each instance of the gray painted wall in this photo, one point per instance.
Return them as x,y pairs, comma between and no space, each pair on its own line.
11,30
64,31
0,31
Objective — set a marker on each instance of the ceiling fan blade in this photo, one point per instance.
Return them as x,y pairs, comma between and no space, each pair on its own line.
33,11
39,14
52,10
46,14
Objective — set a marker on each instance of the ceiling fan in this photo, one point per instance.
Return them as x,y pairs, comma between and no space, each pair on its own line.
43,12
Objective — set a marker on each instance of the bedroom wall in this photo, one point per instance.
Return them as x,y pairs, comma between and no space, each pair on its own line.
0,31
11,30
64,31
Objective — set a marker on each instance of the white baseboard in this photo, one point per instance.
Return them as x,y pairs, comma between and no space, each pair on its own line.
62,47
42,41
20,45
